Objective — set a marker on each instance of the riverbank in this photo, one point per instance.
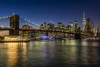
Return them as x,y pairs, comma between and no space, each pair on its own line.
16,41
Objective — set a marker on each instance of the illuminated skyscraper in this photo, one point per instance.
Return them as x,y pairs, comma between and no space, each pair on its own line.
59,25
88,26
75,24
44,25
83,21
92,27
98,33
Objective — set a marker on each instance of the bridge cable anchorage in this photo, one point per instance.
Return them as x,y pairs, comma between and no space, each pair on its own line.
29,23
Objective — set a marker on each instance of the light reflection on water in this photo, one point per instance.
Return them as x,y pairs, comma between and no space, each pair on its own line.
70,53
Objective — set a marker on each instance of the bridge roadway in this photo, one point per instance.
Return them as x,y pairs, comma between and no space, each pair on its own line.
22,29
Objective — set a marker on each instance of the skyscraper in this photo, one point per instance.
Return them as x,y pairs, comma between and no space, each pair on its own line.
75,24
98,33
88,26
59,25
83,21
92,27
44,25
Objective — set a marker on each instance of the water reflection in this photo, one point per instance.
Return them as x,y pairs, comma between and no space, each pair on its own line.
63,53
14,53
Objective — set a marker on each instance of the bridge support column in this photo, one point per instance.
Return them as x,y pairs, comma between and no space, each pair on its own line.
77,36
78,33
14,23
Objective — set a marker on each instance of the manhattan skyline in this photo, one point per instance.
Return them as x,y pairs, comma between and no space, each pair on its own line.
40,11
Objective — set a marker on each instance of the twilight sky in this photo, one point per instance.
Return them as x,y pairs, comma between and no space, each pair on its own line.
65,11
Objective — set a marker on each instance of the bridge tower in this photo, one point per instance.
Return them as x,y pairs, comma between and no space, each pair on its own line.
78,33
14,23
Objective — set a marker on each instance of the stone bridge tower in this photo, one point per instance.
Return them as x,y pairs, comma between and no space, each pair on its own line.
14,23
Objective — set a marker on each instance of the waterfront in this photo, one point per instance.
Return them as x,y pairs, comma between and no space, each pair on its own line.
52,53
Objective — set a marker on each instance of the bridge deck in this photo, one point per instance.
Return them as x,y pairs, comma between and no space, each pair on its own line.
21,29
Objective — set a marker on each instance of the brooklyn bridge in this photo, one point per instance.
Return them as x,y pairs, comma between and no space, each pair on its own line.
18,26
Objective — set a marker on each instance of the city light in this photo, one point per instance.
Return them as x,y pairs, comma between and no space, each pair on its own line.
50,33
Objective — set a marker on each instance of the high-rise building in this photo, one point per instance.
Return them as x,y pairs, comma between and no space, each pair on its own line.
92,27
88,26
53,27
75,24
98,32
48,26
50,22
83,21
59,25
44,25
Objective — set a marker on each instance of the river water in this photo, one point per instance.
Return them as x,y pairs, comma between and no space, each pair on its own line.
55,53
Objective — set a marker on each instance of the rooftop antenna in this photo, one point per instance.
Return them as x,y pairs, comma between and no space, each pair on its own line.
83,14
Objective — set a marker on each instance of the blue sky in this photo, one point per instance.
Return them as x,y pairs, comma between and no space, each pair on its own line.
65,11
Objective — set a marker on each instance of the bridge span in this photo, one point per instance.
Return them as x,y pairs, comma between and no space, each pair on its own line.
14,28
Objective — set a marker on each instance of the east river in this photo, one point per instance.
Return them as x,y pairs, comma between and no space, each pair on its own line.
52,53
